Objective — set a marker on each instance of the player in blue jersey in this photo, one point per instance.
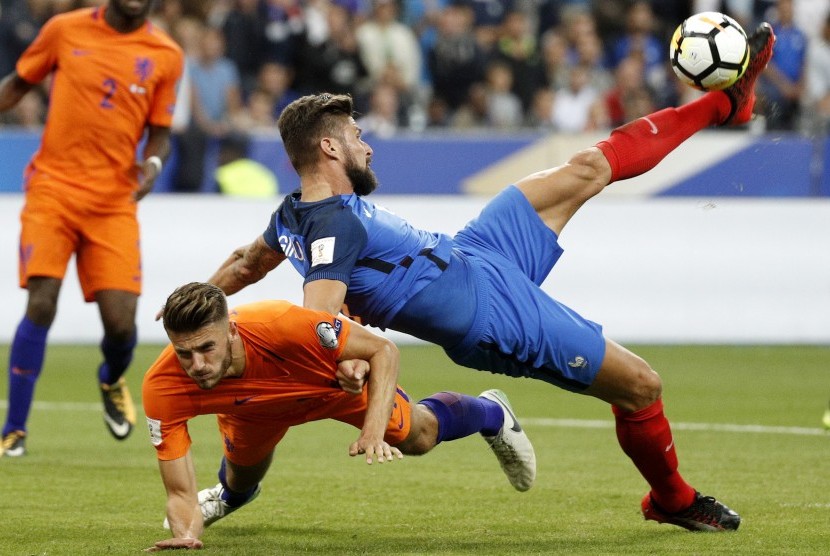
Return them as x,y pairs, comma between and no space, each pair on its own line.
477,294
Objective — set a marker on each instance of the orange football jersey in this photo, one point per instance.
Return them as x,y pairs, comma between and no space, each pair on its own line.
106,88
289,378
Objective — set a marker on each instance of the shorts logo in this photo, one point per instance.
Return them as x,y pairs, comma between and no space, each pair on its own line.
327,333
579,362
401,422
155,431
322,251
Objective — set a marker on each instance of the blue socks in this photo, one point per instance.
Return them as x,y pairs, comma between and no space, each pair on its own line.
460,415
25,363
117,357
232,498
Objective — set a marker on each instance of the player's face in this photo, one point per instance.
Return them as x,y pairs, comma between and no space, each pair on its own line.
358,159
131,9
205,355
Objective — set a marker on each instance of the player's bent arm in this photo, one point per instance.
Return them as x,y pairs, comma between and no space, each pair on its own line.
183,512
324,295
12,89
246,265
383,358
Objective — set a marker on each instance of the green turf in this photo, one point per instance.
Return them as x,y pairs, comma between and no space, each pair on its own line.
81,492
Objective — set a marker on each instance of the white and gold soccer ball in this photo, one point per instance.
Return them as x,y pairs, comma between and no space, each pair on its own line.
709,51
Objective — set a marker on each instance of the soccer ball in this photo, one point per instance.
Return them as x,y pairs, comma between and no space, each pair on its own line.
709,51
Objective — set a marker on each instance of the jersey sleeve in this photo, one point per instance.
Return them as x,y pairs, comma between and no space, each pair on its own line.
334,245
41,57
164,100
271,236
163,408
324,335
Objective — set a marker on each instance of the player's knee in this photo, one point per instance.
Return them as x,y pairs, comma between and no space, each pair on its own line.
41,309
592,168
646,388
119,330
417,446
423,433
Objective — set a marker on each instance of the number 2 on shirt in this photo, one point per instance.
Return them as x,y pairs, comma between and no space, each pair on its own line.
109,91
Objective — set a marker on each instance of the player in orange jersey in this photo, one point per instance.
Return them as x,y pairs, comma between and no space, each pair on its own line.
271,365
114,77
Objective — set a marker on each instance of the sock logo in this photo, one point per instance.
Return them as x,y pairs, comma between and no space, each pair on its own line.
654,130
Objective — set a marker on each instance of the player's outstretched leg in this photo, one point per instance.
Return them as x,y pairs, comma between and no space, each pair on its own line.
511,445
214,506
705,514
742,93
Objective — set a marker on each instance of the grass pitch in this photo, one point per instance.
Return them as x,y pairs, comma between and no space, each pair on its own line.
746,423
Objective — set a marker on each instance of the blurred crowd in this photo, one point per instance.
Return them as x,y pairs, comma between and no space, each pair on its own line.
562,65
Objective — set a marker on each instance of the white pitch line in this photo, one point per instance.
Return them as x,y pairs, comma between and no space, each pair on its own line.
532,421
59,406
715,427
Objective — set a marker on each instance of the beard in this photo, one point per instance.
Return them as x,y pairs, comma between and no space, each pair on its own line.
227,361
363,180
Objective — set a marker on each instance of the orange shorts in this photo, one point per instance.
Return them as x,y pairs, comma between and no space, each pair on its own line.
105,241
249,439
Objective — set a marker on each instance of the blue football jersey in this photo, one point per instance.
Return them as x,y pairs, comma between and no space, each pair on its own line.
382,259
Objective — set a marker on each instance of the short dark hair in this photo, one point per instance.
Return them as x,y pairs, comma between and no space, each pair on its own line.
194,306
307,120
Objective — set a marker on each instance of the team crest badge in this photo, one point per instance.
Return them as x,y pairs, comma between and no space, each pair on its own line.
327,334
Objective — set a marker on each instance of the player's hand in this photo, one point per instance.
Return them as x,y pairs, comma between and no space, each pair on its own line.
374,449
351,374
148,172
176,544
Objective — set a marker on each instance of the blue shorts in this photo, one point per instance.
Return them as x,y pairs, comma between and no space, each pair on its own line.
518,329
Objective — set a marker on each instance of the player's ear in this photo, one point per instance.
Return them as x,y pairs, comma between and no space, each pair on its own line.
329,147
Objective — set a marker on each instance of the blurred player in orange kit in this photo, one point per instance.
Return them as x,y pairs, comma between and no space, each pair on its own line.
265,367
114,74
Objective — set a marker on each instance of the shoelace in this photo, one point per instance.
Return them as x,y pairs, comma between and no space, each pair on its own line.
505,451
703,510
213,507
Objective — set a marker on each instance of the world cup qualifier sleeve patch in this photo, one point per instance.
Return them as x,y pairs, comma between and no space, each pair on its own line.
328,333
155,431
322,251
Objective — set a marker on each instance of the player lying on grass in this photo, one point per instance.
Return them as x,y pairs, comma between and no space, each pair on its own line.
478,294
268,366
